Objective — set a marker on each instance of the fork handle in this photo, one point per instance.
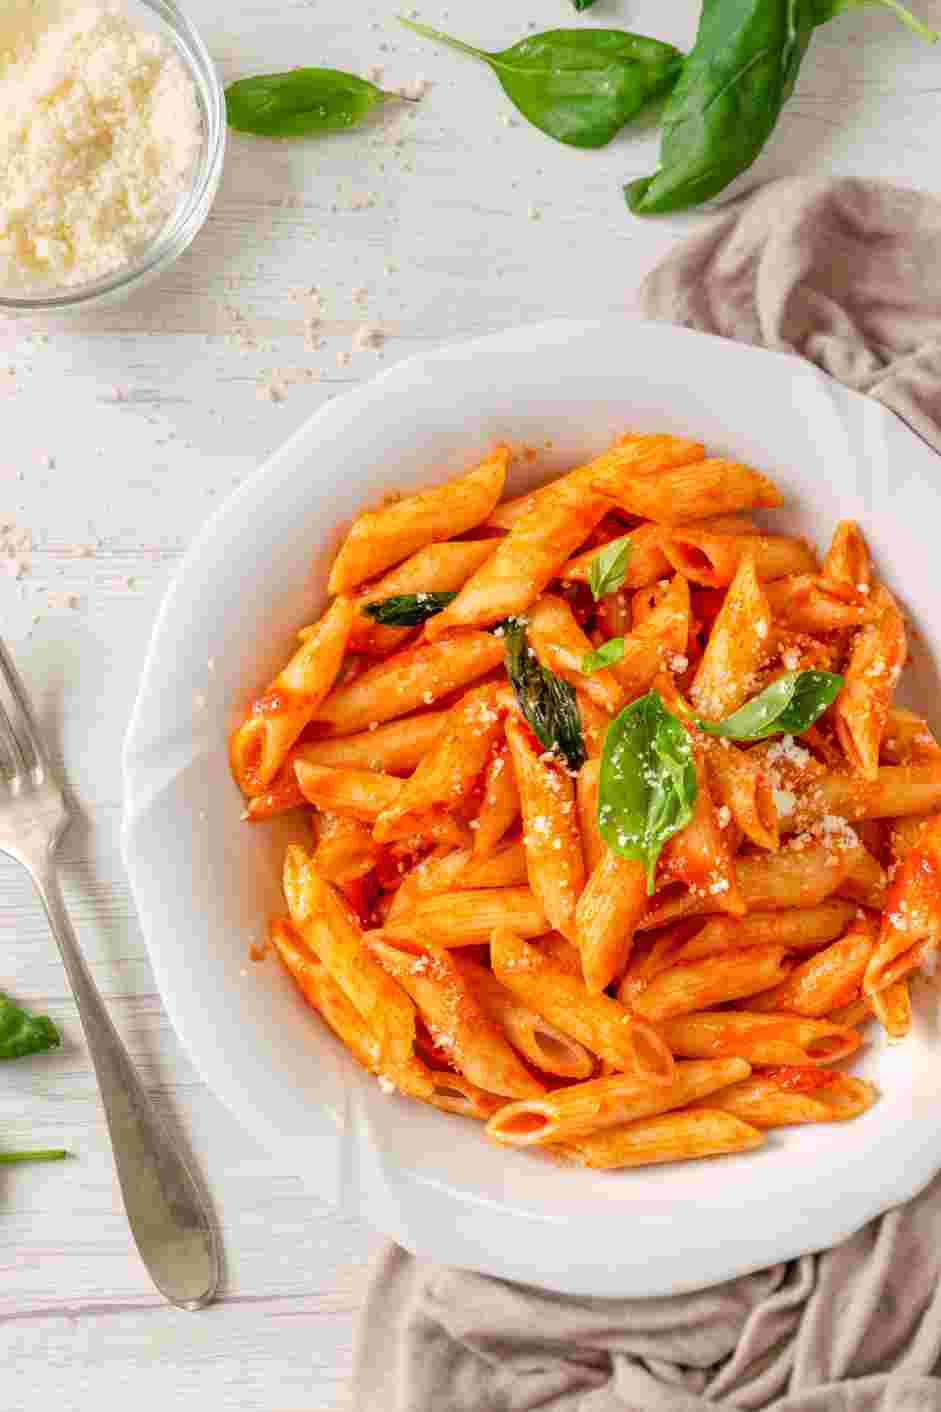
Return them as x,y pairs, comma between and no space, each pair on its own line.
168,1217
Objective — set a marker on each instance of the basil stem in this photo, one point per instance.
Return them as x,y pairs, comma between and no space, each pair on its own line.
301,103
608,568
22,1033
48,1154
647,783
578,85
786,707
548,703
406,610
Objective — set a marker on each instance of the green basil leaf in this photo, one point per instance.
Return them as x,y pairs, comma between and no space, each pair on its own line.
406,610
49,1154
22,1033
300,103
786,707
578,85
604,656
608,568
647,783
548,703
829,9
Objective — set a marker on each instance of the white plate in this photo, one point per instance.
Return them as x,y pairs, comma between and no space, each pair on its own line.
204,882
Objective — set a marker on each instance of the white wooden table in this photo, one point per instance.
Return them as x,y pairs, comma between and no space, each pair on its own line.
121,433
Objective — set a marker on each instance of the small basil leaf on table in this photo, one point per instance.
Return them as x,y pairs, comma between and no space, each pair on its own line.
406,610
548,703
606,655
301,102
48,1154
787,707
647,783
608,569
583,4
735,82
829,9
578,85
22,1033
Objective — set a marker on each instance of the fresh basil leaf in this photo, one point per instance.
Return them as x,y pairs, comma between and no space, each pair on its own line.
548,703
406,610
22,1033
608,568
647,783
786,707
829,9
604,656
48,1154
578,85
300,103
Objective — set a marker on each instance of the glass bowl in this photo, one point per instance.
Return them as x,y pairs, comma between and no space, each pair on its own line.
166,19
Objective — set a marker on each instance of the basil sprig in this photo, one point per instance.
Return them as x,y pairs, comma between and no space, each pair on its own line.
301,103
548,703
608,568
406,610
787,707
578,85
606,655
647,783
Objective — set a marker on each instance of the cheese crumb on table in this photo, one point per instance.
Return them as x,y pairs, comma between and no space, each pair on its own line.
99,133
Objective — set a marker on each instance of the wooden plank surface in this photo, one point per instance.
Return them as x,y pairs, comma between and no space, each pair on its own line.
122,431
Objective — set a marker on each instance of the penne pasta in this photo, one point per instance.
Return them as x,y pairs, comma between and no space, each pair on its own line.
897,790
438,568
380,538
785,1096
417,677
599,1023
659,642
911,923
847,563
700,855
610,1102
345,849
543,1045
861,710
698,490
457,1022
908,740
260,745
594,722
467,917
811,603
827,981
892,1007
761,1039
679,1136
554,859
606,917
562,647
737,648
712,558
740,785
500,804
698,985
355,794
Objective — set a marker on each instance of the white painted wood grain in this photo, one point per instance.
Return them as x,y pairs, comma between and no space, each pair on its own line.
150,414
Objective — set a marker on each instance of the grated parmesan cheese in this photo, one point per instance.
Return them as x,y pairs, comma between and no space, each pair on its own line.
99,133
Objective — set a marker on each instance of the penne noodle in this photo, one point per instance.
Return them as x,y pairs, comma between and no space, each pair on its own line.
434,873
865,881
897,790
457,1021
696,491
594,722
803,929
449,772
698,985
438,568
545,537
259,746
861,710
324,922
345,849
562,647
592,1107
709,558
911,923
586,791
500,805
543,1045
892,1007
908,740
355,794
761,1039
785,1096
467,917
810,603
847,563
418,676
646,564
606,917
827,981
453,1093
740,785
550,826
657,643
599,1023
905,833
380,538
737,647
670,1137
699,855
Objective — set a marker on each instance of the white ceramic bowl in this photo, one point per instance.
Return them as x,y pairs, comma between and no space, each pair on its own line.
204,882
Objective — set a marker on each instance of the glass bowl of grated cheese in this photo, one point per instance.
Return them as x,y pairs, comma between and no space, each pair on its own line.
112,139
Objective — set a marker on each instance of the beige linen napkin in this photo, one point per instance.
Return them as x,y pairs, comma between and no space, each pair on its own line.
848,274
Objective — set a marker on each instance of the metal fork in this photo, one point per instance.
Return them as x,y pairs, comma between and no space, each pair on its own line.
167,1215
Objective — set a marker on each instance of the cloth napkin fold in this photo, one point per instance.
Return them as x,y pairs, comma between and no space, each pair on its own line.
848,275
